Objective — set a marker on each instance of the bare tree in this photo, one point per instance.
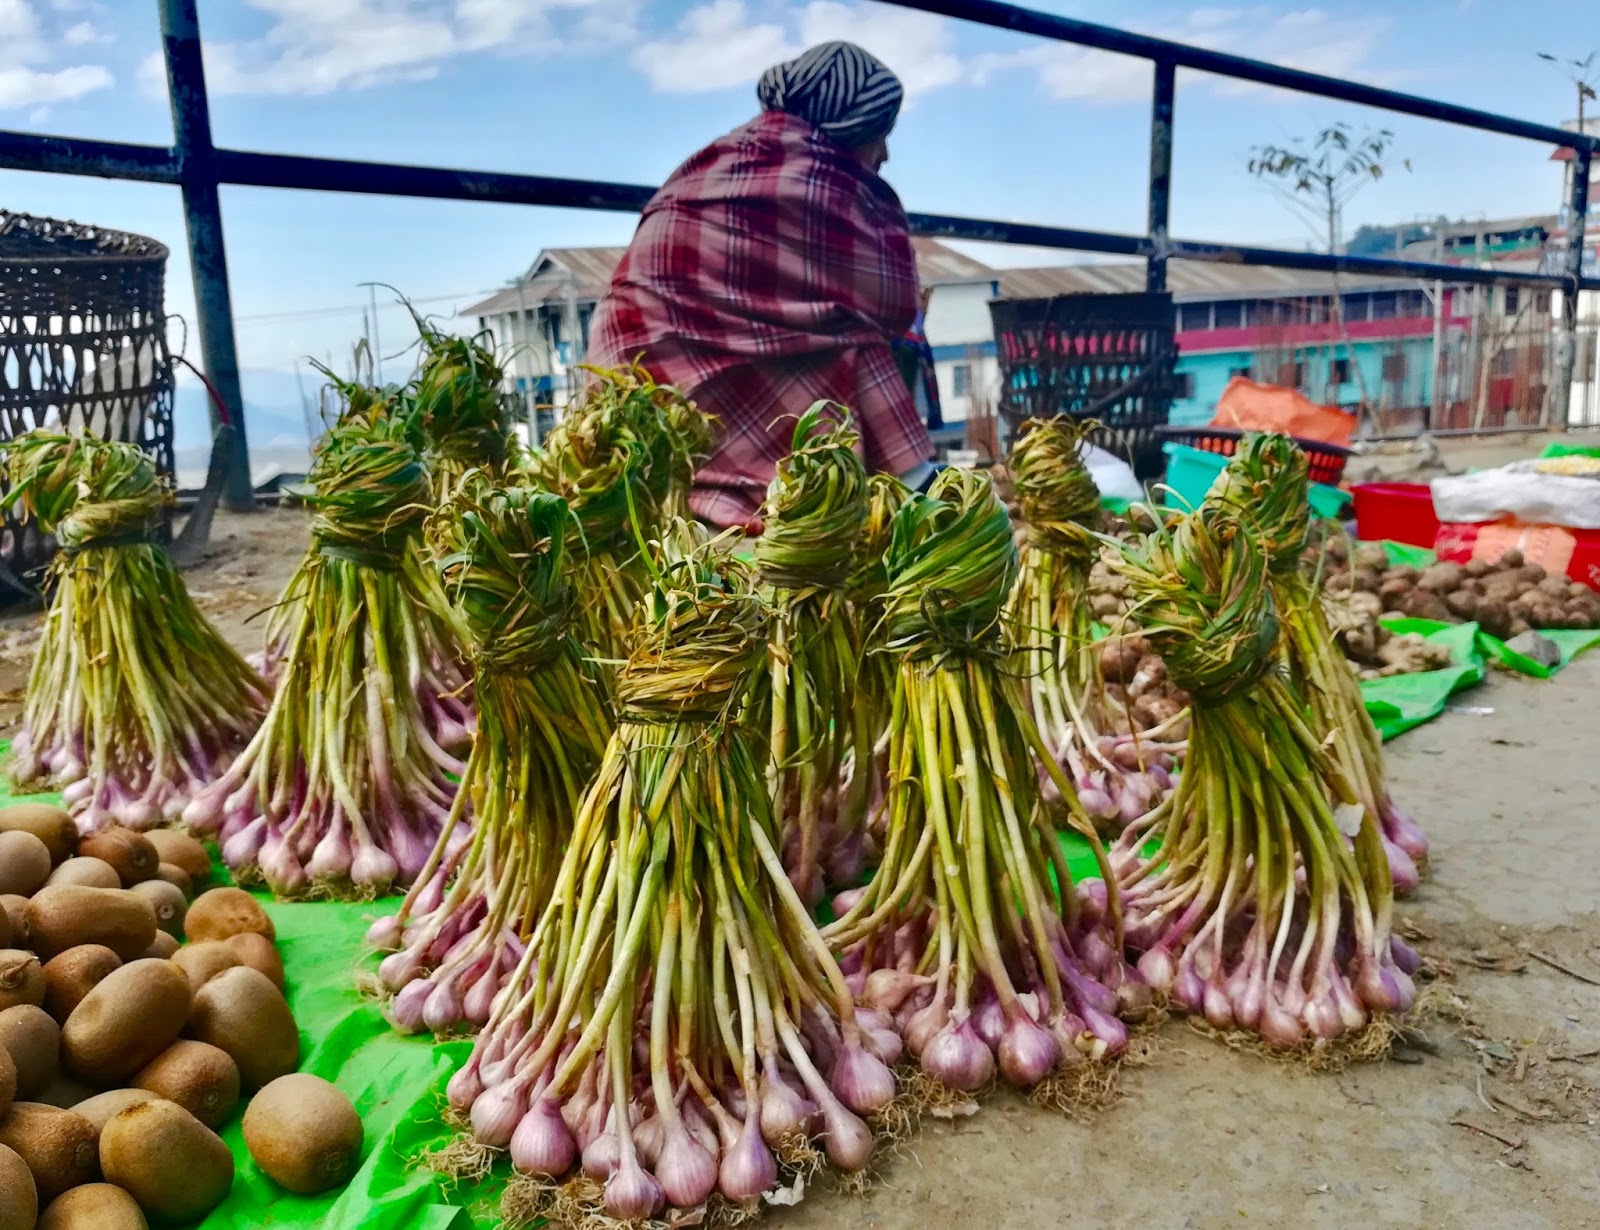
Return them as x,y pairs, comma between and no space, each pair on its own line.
1318,178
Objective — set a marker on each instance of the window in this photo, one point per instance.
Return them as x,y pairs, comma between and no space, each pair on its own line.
1356,307
1412,304
1513,299
1291,375
1185,387
1394,367
1541,302
1385,304
1243,372
1228,315
1194,316
961,380
1339,372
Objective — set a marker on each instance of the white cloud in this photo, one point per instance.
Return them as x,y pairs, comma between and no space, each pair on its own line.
1308,39
918,46
21,86
31,75
714,48
717,46
319,46
83,34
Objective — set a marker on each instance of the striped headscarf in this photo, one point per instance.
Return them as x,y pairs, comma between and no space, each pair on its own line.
846,92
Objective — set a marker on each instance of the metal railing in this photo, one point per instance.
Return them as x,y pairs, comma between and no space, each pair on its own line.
197,166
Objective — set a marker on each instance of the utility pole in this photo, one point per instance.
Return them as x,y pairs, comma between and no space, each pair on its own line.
372,339
1584,75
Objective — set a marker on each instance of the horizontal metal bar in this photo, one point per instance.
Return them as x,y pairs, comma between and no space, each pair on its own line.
1125,42
29,151
395,179
1027,234
1228,254
25,151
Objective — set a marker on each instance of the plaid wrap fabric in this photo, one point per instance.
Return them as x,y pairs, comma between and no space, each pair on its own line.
771,271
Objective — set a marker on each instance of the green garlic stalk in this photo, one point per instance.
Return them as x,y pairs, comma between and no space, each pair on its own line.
542,729
805,705
972,931
669,1019
1267,906
345,788
135,701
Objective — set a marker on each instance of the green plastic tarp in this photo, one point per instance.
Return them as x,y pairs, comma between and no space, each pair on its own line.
1400,702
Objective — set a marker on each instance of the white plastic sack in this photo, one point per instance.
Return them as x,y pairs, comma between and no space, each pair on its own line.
1517,490
1112,475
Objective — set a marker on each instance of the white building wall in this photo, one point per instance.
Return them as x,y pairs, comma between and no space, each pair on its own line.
958,321
1584,408
959,315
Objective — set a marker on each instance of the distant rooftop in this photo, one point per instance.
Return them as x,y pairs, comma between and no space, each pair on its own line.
585,273
1189,281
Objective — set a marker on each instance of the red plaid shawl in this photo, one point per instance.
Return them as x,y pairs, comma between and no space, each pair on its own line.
769,272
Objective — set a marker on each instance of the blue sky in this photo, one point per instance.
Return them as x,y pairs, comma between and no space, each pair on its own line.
997,125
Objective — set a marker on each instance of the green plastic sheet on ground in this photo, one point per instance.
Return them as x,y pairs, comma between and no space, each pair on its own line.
1401,702
1558,449
396,1083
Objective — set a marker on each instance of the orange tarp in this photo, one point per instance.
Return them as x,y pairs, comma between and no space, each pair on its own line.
1267,407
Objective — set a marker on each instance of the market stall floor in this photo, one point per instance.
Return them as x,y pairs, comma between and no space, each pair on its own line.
1491,1124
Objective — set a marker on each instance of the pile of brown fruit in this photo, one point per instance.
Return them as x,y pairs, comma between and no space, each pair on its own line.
1505,598
134,1016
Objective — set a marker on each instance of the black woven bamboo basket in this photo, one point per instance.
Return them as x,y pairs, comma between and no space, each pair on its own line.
1106,357
83,345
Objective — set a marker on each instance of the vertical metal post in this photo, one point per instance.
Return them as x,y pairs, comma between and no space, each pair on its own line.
1432,411
1567,337
1166,75
202,211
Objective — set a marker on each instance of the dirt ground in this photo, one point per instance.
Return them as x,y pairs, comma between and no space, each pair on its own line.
1492,1120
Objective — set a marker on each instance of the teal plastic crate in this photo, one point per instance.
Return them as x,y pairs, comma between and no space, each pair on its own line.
1191,471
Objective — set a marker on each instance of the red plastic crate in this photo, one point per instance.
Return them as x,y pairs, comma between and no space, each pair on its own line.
1402,512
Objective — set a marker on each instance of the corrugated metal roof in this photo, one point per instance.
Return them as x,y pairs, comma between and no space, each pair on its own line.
939,265
584,272
588,272
1189,281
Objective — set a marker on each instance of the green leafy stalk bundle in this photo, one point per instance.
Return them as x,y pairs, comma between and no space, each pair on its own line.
1120,777
460,408
972,932
135,701
1267,907
542,729
345,788
672,1016
805,705
1267,484
875,667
